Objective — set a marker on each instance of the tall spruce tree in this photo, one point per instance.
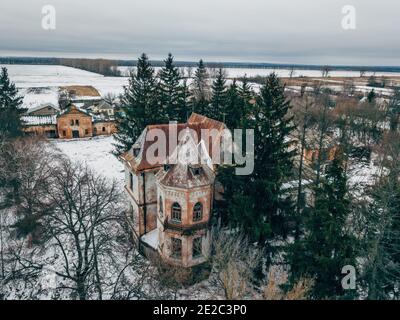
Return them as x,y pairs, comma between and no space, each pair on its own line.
393,110
262,220
233,115
139,106
217,108
186,107
273,157
171,91
201,92
382,274
246,95
327,245
382,227
10,108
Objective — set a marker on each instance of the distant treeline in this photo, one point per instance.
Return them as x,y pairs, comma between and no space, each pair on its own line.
101,66
108,67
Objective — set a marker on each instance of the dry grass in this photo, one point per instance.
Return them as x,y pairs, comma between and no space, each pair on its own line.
272,289
86,91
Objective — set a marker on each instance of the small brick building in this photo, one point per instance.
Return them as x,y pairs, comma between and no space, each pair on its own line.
171,195
74,123
71,123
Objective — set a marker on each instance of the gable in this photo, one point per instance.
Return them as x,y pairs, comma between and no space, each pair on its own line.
73,110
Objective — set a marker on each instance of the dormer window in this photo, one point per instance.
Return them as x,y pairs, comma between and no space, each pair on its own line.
166,167
196,171
136,152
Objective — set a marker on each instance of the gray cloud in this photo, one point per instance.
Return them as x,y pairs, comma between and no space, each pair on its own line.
292,31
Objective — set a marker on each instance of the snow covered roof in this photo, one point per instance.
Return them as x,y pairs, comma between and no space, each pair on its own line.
39,120
151,238
36,97
44,105
73,109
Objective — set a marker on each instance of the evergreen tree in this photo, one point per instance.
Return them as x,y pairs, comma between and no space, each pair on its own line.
382,273
394,110
218,102
10,108
139,106
171,92
246,95
201,90
262,220
382,227
371,96
327,245
186,107
233,116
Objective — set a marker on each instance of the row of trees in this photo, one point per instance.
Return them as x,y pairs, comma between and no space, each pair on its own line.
168,96
101,66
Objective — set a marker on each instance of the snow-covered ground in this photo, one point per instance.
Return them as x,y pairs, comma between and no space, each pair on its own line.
253,72
240,72
96,153
39,84
50,77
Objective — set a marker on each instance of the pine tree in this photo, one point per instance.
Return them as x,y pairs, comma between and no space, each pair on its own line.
186,107
371,96
201,90
10,108
171,92
262,220
382,227
246,95
218,102
394,110
327,245
139,106
273,159
382,272
233,116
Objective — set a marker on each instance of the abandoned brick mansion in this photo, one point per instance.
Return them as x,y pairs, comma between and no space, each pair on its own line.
171,196
70,123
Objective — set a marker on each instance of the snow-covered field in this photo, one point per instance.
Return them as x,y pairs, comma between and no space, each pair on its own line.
51,77
96,153
253,72
39,84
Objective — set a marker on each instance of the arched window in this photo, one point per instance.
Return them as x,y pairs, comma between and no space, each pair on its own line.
77,122
176,213
72,122
198,212
161,207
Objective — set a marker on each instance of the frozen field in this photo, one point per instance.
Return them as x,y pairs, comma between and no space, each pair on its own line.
39,84
96,153
50,76
252,72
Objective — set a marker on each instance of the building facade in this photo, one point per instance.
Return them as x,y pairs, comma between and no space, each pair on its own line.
71,123
171,195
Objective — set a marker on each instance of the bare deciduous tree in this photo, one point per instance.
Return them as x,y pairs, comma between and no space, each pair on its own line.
234,261
85,207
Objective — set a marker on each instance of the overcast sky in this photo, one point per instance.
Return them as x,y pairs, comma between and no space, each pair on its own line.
283,31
